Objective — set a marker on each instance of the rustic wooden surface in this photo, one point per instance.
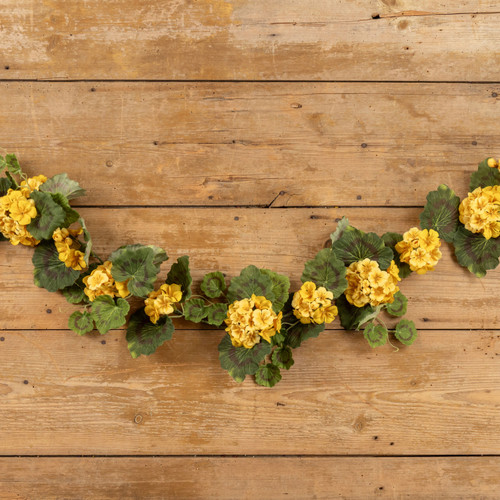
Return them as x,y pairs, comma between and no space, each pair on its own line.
239,132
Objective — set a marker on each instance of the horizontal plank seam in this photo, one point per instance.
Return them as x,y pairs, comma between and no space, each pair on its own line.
74,80
486,455
269,205
416,13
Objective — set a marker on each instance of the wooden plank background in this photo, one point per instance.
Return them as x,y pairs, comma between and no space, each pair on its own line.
239,132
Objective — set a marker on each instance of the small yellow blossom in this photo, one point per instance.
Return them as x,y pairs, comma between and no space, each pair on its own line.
249,320
479,212
368,284
101,282
492,163
420,249
33,184
65,242
16,212
161,302
313,305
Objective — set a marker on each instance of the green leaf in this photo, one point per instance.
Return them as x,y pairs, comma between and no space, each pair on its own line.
484,176
179,274
355,245
140,265
109,313
12,164
283,358
51,273
342,225
250,281
376,335
268,375
74,294
5,185
195,310
216,314
240,361
88,240
399,306
144,337
406,332
390,240
62,184
281,287
213,284
352,317
81,322
326,270
50,216
300,332
71,215
441,212
278,338
475,252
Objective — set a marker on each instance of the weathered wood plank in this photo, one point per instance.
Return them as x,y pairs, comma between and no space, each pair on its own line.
250,477
64,394
249,39
252,144
232,238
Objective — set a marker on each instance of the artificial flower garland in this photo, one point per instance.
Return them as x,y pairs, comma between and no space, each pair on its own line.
356,279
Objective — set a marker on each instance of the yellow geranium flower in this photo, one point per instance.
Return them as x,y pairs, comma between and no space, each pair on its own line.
420,249
101,282
479,212
161,302
313,305
33,184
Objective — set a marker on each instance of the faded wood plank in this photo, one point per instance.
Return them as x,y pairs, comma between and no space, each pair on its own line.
64,394
249,39
232,238
252,144
229,478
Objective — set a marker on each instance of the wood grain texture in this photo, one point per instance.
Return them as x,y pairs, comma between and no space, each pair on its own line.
229,239
250,477
252,143
64,394
250,40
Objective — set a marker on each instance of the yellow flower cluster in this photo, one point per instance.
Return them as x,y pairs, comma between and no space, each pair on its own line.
17,210
314,305
368,284
65,242
160,302
101,282
479,212
420,249
249,320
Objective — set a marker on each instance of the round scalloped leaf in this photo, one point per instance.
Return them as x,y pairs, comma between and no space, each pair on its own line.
300,332
250,281
399,306
213,284
50,216
268,375
62,184
376,335
281,287
326,270
475,252
81,322
195,310
283,357
216,314
12,164
352,317
74,294
342,225
140,264
441,212
484,176
406,332
240,361
50,272
109,313
390,240
70,215
355,245
5,185
144,337
179,273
